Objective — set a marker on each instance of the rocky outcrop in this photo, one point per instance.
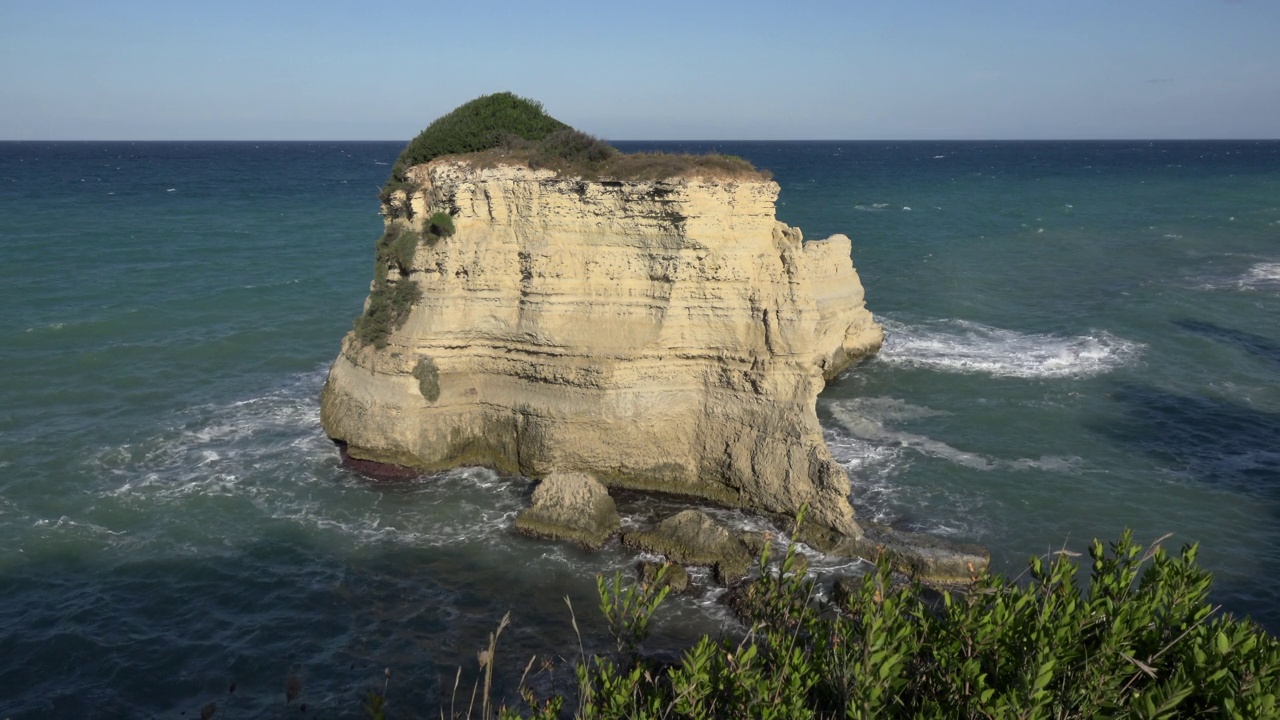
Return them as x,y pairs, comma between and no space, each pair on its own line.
669,336
570,506
926,558
668,574
921,557
691,537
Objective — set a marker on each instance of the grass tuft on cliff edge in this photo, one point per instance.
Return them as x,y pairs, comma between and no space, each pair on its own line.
504,128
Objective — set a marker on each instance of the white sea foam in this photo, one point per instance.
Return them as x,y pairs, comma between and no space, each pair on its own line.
873,207
866,441
872,467
960,346
854,418
50,326
1263,276
869,420
7,507
268,456
65,521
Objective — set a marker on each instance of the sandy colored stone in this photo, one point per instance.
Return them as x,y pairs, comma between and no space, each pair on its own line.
675,577
570,506
692,537
754,542
930,559
667,336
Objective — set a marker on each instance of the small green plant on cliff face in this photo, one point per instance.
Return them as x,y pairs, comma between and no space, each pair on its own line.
403,245
391,302
1141,642
440,224
389,306
428,377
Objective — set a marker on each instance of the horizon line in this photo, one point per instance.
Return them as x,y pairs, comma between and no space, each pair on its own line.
682,140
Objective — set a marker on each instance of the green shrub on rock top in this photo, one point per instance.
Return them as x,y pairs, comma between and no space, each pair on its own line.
570,150
478,125
506,128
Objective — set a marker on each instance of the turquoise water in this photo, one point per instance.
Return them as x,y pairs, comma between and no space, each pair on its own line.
1082,337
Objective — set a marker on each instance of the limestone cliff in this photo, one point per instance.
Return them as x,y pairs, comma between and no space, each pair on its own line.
667,336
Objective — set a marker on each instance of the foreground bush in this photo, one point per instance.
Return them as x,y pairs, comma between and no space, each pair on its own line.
1141,642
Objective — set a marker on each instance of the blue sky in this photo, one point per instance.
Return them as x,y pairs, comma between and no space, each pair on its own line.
786,69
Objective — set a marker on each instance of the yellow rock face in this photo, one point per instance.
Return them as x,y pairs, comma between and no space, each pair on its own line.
667,336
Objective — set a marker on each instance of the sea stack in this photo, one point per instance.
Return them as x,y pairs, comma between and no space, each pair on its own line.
661,334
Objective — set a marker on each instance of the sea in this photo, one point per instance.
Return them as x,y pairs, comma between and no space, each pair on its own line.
1082,337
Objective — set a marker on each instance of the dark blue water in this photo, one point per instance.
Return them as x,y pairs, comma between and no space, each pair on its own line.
1082,337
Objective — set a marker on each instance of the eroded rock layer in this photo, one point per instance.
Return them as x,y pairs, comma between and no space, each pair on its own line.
668,336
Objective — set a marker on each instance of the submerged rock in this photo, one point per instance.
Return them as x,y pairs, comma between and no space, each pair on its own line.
929,559
570,506
675,577
755,542
691,537
845,591
926,558
666,335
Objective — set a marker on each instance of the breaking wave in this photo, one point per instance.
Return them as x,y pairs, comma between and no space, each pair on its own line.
268,458
878,455
868,420
1263,276
961,346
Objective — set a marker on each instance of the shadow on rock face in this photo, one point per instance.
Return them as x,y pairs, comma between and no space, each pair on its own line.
373,469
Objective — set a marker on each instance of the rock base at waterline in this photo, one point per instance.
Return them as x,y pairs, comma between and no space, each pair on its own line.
691,537
926,558
675,577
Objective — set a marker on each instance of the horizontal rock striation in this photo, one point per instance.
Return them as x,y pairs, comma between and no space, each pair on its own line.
669,336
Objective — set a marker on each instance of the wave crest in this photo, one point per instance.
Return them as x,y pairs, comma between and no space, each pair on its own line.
961,346
1263,276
